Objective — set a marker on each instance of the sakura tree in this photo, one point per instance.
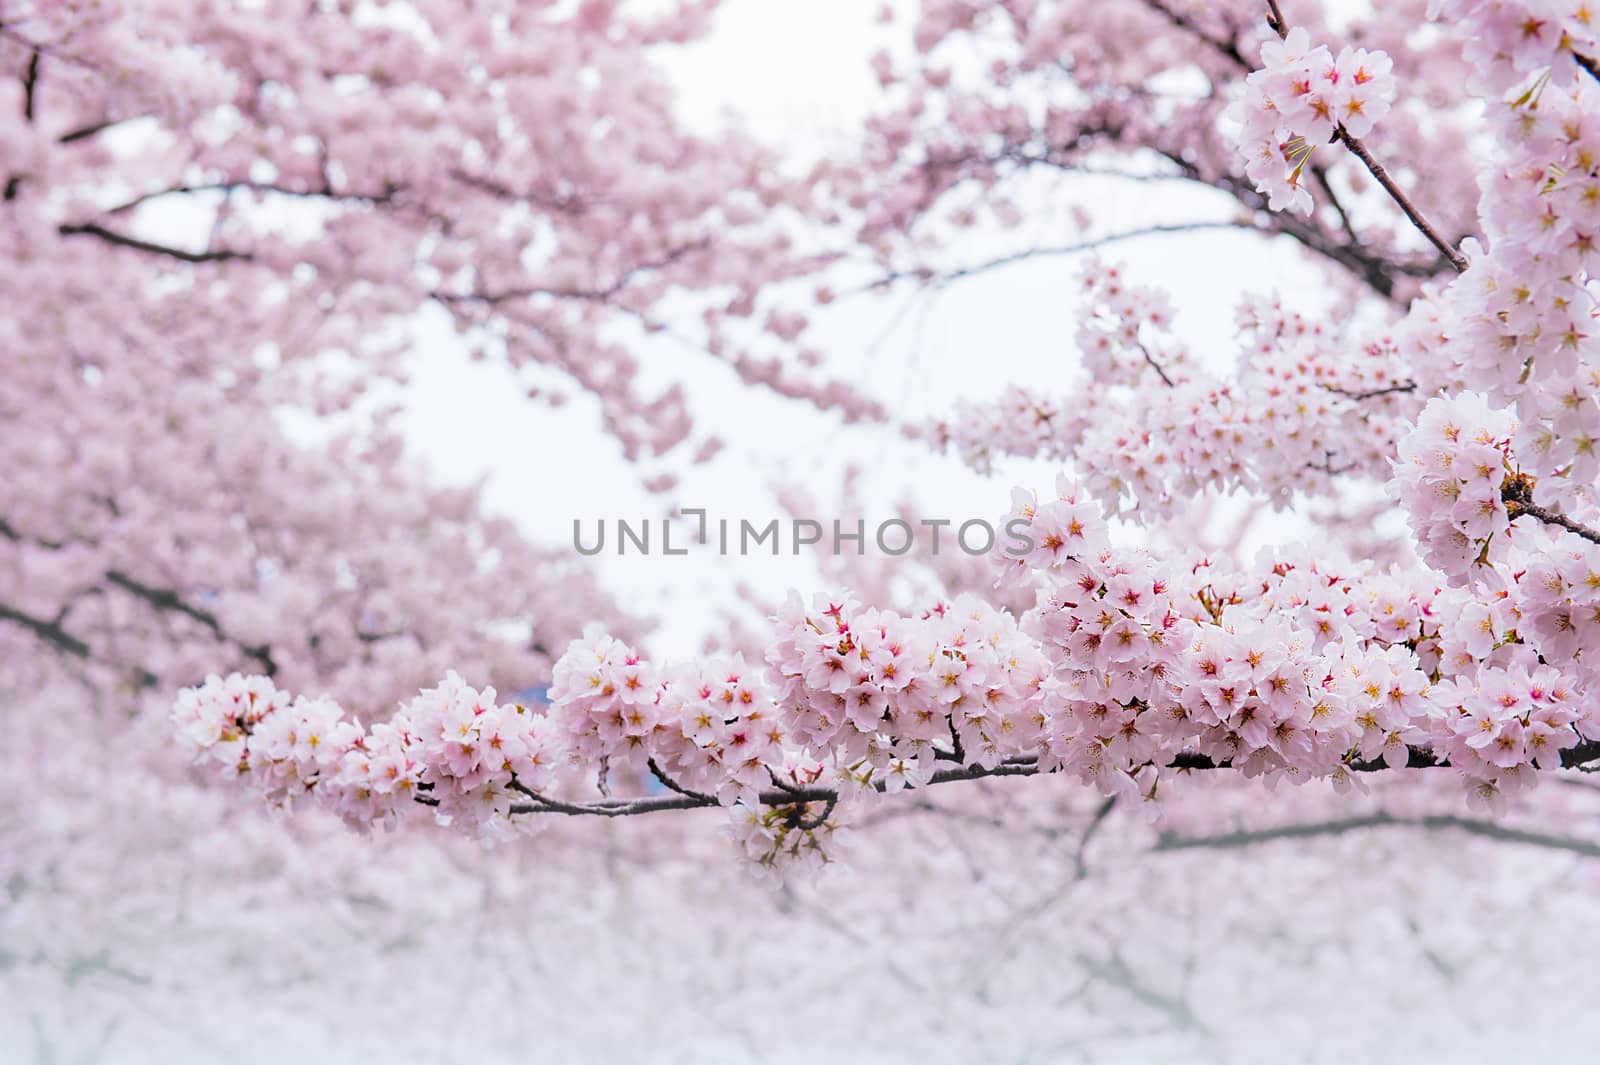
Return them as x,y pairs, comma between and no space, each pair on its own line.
1113,697
1138,665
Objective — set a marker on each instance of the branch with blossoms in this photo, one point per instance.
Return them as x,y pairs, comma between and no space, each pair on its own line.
1150,430
1131,672
1303,97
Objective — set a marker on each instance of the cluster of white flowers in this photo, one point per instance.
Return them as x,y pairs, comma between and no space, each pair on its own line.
1297,100
1450,477
1508,41
452,748
884,698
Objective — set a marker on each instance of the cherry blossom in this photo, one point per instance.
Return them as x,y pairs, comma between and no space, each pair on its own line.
1050,777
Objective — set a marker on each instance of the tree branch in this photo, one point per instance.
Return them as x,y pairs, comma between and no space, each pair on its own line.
85,132
385,196
30,84
1517,494
167,599
1079,863
684,799
1150,360
1280,26
938,277
687,800
1360,151
1436,822
1116,973
672,785
94,229
596,295
49,631
1372,393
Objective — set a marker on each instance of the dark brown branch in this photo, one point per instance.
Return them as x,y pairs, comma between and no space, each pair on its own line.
778,797
85,132
1376,271
1416,758
672,785
1372,393
1275,20
167,599
50,632
1156,366
1320,175
1280,26
790,796
311,193
1551,517
1517,494
30,84
1396,193
94,229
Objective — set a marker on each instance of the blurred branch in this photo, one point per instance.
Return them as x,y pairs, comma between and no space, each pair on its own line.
167,599
30,84
1115,973
927,275
49,631
94,229
1436,822
1372,393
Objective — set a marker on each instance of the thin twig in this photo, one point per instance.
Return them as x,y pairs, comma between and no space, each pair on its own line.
1372,393
944,277
1154,365
672,785
1360,151
94,229
1486,829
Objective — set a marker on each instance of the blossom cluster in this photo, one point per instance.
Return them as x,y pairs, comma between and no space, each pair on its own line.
883,698
1021,421
1449,477
452,748
1297,100
710,728
1302,407
1520,324
1509,41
